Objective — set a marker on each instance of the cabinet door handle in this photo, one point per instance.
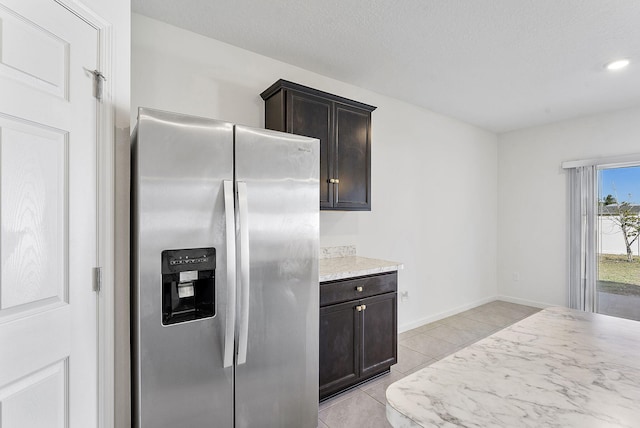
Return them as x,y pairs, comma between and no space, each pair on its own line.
334,180
359,289
359,308
364,307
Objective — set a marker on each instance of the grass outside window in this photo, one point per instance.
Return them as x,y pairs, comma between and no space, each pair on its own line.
618,276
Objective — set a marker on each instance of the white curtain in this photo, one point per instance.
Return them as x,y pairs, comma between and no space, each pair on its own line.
583,236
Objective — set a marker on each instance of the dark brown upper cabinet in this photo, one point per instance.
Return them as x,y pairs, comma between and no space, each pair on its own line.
343,127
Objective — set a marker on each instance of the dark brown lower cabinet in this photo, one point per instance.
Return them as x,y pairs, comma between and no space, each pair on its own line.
379,335
358,337
339,350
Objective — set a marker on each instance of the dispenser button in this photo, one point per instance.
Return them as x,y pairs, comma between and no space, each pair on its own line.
189,275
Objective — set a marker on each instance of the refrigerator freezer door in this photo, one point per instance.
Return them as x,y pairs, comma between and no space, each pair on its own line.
277,385
179,166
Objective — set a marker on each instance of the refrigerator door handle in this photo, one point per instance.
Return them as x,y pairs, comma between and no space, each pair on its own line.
243,335
231,272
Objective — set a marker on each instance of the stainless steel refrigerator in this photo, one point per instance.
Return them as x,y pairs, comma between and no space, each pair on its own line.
224,275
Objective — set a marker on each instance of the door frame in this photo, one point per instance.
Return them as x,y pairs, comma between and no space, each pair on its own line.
105,209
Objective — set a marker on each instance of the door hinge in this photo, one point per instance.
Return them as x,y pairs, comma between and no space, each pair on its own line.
97,279
98,79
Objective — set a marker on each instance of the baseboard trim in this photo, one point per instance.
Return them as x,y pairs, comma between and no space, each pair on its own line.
441,315
525,302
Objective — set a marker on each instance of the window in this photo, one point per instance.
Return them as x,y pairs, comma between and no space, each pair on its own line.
618,242
604,266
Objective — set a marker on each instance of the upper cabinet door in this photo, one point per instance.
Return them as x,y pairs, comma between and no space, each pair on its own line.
312,117
344,129
352,158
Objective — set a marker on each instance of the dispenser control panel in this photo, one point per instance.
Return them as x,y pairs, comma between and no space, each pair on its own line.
188,284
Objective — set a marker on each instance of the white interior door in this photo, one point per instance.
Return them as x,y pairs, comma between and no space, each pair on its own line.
48,236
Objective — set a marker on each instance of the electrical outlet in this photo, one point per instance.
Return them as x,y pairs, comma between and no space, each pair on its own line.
404,296
515,276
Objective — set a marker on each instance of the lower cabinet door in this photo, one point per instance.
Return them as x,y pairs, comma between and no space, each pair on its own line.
378,349
339,356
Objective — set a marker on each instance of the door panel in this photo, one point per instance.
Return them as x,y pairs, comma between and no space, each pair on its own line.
379,327
48,218
339,350
278,384
46,387
34,216
44,65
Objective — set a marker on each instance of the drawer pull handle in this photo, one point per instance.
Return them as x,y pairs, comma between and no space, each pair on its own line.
359,289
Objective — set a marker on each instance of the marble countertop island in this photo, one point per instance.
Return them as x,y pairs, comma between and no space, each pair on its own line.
557,368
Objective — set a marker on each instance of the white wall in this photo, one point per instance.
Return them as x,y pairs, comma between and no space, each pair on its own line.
533,205
434,179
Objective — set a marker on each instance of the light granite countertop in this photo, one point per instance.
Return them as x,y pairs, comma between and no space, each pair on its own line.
557,368
351,266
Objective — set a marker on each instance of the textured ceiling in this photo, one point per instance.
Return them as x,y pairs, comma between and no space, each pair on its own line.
498,64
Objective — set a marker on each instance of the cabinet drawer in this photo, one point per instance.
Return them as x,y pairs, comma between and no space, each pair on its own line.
347,289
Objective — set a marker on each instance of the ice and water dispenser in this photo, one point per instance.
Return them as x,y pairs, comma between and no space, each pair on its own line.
188,284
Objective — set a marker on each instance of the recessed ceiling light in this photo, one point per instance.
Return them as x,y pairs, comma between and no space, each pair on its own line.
617,65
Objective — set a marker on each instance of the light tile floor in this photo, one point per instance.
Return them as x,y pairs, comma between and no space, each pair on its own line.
364,406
